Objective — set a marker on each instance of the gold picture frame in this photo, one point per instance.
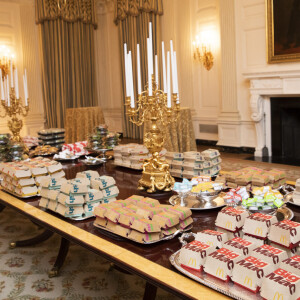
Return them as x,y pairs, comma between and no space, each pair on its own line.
283,34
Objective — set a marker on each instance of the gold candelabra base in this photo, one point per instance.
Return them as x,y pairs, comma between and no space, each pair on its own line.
14,111
156,175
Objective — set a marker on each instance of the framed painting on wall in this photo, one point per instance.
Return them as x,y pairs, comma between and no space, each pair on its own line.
283,30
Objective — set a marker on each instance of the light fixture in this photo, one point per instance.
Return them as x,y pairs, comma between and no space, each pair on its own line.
6,57
202,49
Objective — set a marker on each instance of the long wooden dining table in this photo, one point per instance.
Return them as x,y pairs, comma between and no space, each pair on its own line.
150,262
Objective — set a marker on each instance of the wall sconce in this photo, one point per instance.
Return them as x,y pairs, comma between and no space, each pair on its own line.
6,56
202,52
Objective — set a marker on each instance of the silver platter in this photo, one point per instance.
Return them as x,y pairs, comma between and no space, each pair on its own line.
194,203
89,163
17,195
66,159
229,289
166,238
289,199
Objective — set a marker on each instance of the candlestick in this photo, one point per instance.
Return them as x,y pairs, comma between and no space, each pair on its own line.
149,69
138,69
168,81
7,89
1,85
164,67
16,83
175,74
126,71
11,74
172,66
27,95
131,80
151,47
156,71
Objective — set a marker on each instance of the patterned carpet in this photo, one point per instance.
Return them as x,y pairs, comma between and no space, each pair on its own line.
84,276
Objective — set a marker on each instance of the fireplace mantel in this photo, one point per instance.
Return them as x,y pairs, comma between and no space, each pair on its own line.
264,85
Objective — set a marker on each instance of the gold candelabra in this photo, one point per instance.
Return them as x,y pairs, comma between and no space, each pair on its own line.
205,57
12,110
154,109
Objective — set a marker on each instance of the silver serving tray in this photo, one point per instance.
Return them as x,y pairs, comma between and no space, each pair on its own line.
227,288
17,195
193,203
289,199
166,238
89,163
66,159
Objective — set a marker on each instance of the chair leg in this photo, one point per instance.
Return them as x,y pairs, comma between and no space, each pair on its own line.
2,207
150,292
60,259
45,235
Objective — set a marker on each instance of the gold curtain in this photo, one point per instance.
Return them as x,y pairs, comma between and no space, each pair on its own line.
68,63
132,18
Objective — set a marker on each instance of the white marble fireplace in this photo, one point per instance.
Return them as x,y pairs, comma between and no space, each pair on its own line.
263,86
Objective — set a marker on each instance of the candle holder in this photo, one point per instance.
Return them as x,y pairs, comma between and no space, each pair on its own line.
15,108
154,109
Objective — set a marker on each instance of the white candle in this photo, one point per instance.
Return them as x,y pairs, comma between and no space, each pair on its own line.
16,83
156,71
131,80
126,71
175,74
164,66
168,80
1,85
172,66
11,74
138,69
26,89
151,47
149,69
24,85
7,88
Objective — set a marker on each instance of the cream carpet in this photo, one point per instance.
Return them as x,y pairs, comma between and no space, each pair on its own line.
84,276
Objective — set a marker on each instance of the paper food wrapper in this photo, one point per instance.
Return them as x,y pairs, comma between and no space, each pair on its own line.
43,202
259,224
280,284
211,237
93,195
250,272
221,263
240,246
270,254
193,255
144,237
144,225
71,199
166,220
88,174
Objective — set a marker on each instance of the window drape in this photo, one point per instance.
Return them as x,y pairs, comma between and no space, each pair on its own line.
133,17
67,56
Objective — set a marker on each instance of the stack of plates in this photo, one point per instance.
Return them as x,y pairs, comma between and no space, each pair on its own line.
54,137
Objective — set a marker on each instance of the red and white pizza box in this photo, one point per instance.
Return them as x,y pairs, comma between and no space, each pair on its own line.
291,264
281,285
259,224
250,271
285,233
221,262
193,255
212,238
240,246
270,254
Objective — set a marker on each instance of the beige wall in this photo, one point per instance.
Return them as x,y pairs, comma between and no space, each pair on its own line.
18,31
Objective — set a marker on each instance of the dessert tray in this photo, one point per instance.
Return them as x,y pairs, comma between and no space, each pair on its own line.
227,288
166,238
193,202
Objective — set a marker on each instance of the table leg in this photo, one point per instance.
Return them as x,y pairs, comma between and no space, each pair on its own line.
1,207
60,259
45,235
150,291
